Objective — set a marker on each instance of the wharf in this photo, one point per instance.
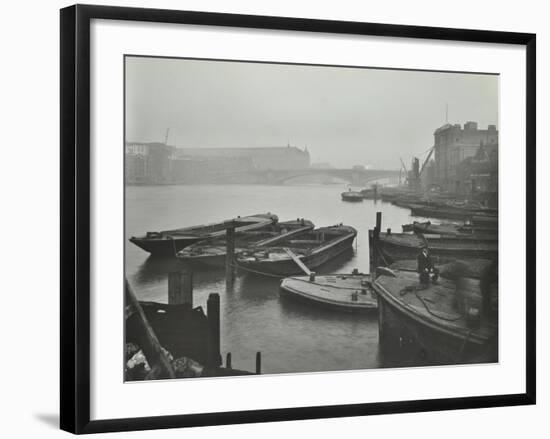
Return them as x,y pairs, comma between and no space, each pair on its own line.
175,340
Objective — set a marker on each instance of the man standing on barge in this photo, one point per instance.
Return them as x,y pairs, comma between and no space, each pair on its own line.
426,267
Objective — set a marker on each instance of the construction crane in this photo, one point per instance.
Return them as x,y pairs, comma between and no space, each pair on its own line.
166,137
426,161
403,164
405,169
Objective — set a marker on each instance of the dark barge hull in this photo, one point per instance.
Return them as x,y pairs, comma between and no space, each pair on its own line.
453,214
287,267
402,332
484,221
169,242
397,252
463,231
164,246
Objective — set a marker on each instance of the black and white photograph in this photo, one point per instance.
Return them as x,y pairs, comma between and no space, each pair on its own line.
275,219
295,218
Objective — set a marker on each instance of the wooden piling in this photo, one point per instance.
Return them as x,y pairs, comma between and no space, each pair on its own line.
213,314
379,221
258,363
230,256
228,360
180,288
371,251
375,238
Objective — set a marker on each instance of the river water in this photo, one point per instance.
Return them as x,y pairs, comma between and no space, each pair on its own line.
292,336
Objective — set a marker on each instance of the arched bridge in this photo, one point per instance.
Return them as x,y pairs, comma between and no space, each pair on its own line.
359,177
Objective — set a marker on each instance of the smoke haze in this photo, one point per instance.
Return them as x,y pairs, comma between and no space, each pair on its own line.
344,116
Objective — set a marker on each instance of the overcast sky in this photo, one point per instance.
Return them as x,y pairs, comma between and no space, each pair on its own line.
345,116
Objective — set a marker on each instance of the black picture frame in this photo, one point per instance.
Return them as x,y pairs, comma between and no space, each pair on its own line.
75,216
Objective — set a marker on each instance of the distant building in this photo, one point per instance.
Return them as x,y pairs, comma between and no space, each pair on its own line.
274,158
157,163
147,162
321,165
454,144
207,169
478,175
134,168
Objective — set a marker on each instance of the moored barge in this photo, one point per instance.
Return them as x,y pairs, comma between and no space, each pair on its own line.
450,229
169,242
342,292
212,252
443,323
310,249
397,246
484,216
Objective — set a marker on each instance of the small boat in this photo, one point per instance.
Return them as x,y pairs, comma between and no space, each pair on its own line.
169,242
397,246
441,323
344,292
352,196
298,253
212,252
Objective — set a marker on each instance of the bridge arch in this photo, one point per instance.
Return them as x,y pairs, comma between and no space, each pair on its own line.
277,177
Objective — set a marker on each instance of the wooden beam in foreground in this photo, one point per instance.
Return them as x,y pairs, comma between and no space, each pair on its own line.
297,260
157,359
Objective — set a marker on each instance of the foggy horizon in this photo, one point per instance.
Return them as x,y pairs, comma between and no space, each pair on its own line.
344,116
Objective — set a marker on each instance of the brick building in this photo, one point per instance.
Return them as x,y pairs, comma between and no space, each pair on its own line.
478,176
147,162
453,145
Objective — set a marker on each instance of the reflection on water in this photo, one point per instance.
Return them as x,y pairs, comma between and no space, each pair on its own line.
293,336
153,270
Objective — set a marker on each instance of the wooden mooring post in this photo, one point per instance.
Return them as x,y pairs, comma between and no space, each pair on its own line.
374,243
371,251
213,314
180,288
258,363
230,256
228,360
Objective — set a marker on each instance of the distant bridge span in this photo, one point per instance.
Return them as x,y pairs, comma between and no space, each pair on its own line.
276,177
